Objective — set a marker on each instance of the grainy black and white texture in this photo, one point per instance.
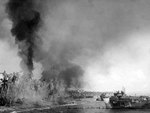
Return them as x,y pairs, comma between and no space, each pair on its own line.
99,45
25,22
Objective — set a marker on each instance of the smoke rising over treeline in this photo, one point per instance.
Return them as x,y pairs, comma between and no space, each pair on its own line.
26,17
72,38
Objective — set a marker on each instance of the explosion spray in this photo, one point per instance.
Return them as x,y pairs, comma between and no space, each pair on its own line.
58,70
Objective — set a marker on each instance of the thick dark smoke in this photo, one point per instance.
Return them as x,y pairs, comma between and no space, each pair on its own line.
71,76
93,34
26,21
26,16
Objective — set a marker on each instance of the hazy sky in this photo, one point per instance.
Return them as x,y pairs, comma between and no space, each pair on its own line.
9,59
110,39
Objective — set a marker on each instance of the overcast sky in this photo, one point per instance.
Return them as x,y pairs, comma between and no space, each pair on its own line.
110,39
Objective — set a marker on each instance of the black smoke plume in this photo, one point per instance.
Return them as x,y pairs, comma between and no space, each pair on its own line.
71,75
26,20
26,16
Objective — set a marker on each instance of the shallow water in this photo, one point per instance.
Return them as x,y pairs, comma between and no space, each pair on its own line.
88,111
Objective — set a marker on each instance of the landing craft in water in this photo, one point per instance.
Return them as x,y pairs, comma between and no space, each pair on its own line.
121,100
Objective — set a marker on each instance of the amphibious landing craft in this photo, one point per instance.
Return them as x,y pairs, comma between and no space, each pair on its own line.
121,100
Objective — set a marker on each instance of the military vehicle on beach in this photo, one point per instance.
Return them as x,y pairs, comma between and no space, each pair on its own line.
121,100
